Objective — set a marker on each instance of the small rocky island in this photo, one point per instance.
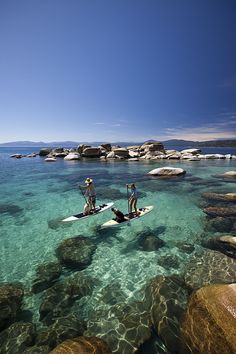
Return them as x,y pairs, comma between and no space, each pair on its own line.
151,150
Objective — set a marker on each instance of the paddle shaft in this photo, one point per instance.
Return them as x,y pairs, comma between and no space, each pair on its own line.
127,187
83,194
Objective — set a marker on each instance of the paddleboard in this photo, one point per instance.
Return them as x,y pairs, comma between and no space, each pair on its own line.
81,216
129,217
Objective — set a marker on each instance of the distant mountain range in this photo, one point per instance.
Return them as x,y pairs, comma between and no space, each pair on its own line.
166,143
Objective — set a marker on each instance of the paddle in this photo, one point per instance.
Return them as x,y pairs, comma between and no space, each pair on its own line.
83,194
127,189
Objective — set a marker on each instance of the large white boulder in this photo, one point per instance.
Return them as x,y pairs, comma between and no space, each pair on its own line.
50,159
167,171
111,155
133,153
231,174
72,156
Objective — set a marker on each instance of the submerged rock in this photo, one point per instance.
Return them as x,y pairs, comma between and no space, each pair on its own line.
220,224
59,299
18,337
185,246
169,261
124,327
219,211
228,197
76,252
112,294
225,244
46,274
82,345
167,299
63,328
10,303
210,321
10,209
210,267
150,243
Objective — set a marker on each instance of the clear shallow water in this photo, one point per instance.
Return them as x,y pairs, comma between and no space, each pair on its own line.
45,193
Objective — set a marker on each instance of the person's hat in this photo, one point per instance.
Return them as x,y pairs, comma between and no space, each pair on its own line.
88,180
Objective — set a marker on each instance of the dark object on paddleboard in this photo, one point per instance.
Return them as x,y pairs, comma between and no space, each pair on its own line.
129,217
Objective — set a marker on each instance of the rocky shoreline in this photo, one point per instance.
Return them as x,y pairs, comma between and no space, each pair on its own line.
148,151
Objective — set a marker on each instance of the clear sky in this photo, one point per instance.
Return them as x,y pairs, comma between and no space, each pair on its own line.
117,70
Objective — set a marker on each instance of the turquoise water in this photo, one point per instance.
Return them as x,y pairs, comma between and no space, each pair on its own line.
41,194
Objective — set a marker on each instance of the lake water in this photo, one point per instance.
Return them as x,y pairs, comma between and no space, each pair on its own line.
38,195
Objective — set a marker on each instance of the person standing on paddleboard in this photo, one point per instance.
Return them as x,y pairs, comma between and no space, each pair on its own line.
133,198
90,193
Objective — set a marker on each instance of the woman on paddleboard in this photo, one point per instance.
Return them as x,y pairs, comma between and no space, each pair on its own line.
133,198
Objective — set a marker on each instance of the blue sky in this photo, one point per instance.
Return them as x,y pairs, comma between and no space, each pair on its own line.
117,70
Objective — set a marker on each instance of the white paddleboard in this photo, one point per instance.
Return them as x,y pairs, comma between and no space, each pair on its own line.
129,217
81,216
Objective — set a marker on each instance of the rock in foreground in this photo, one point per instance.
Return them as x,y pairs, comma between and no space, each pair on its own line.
210,322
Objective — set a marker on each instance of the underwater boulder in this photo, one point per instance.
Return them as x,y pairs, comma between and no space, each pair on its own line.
225,244
18,337
63,328
124,327
10,209
150,243
82,345
167,299
185,247
46,274
228,197
220,224
76,252
210,321
209,267
220,211
11,297
58,300
112,294
169,261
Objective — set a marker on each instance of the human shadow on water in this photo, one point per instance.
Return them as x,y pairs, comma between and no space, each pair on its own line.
146,240
105,235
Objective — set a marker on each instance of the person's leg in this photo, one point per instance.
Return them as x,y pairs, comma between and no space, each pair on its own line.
131,201
90,201
135,206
